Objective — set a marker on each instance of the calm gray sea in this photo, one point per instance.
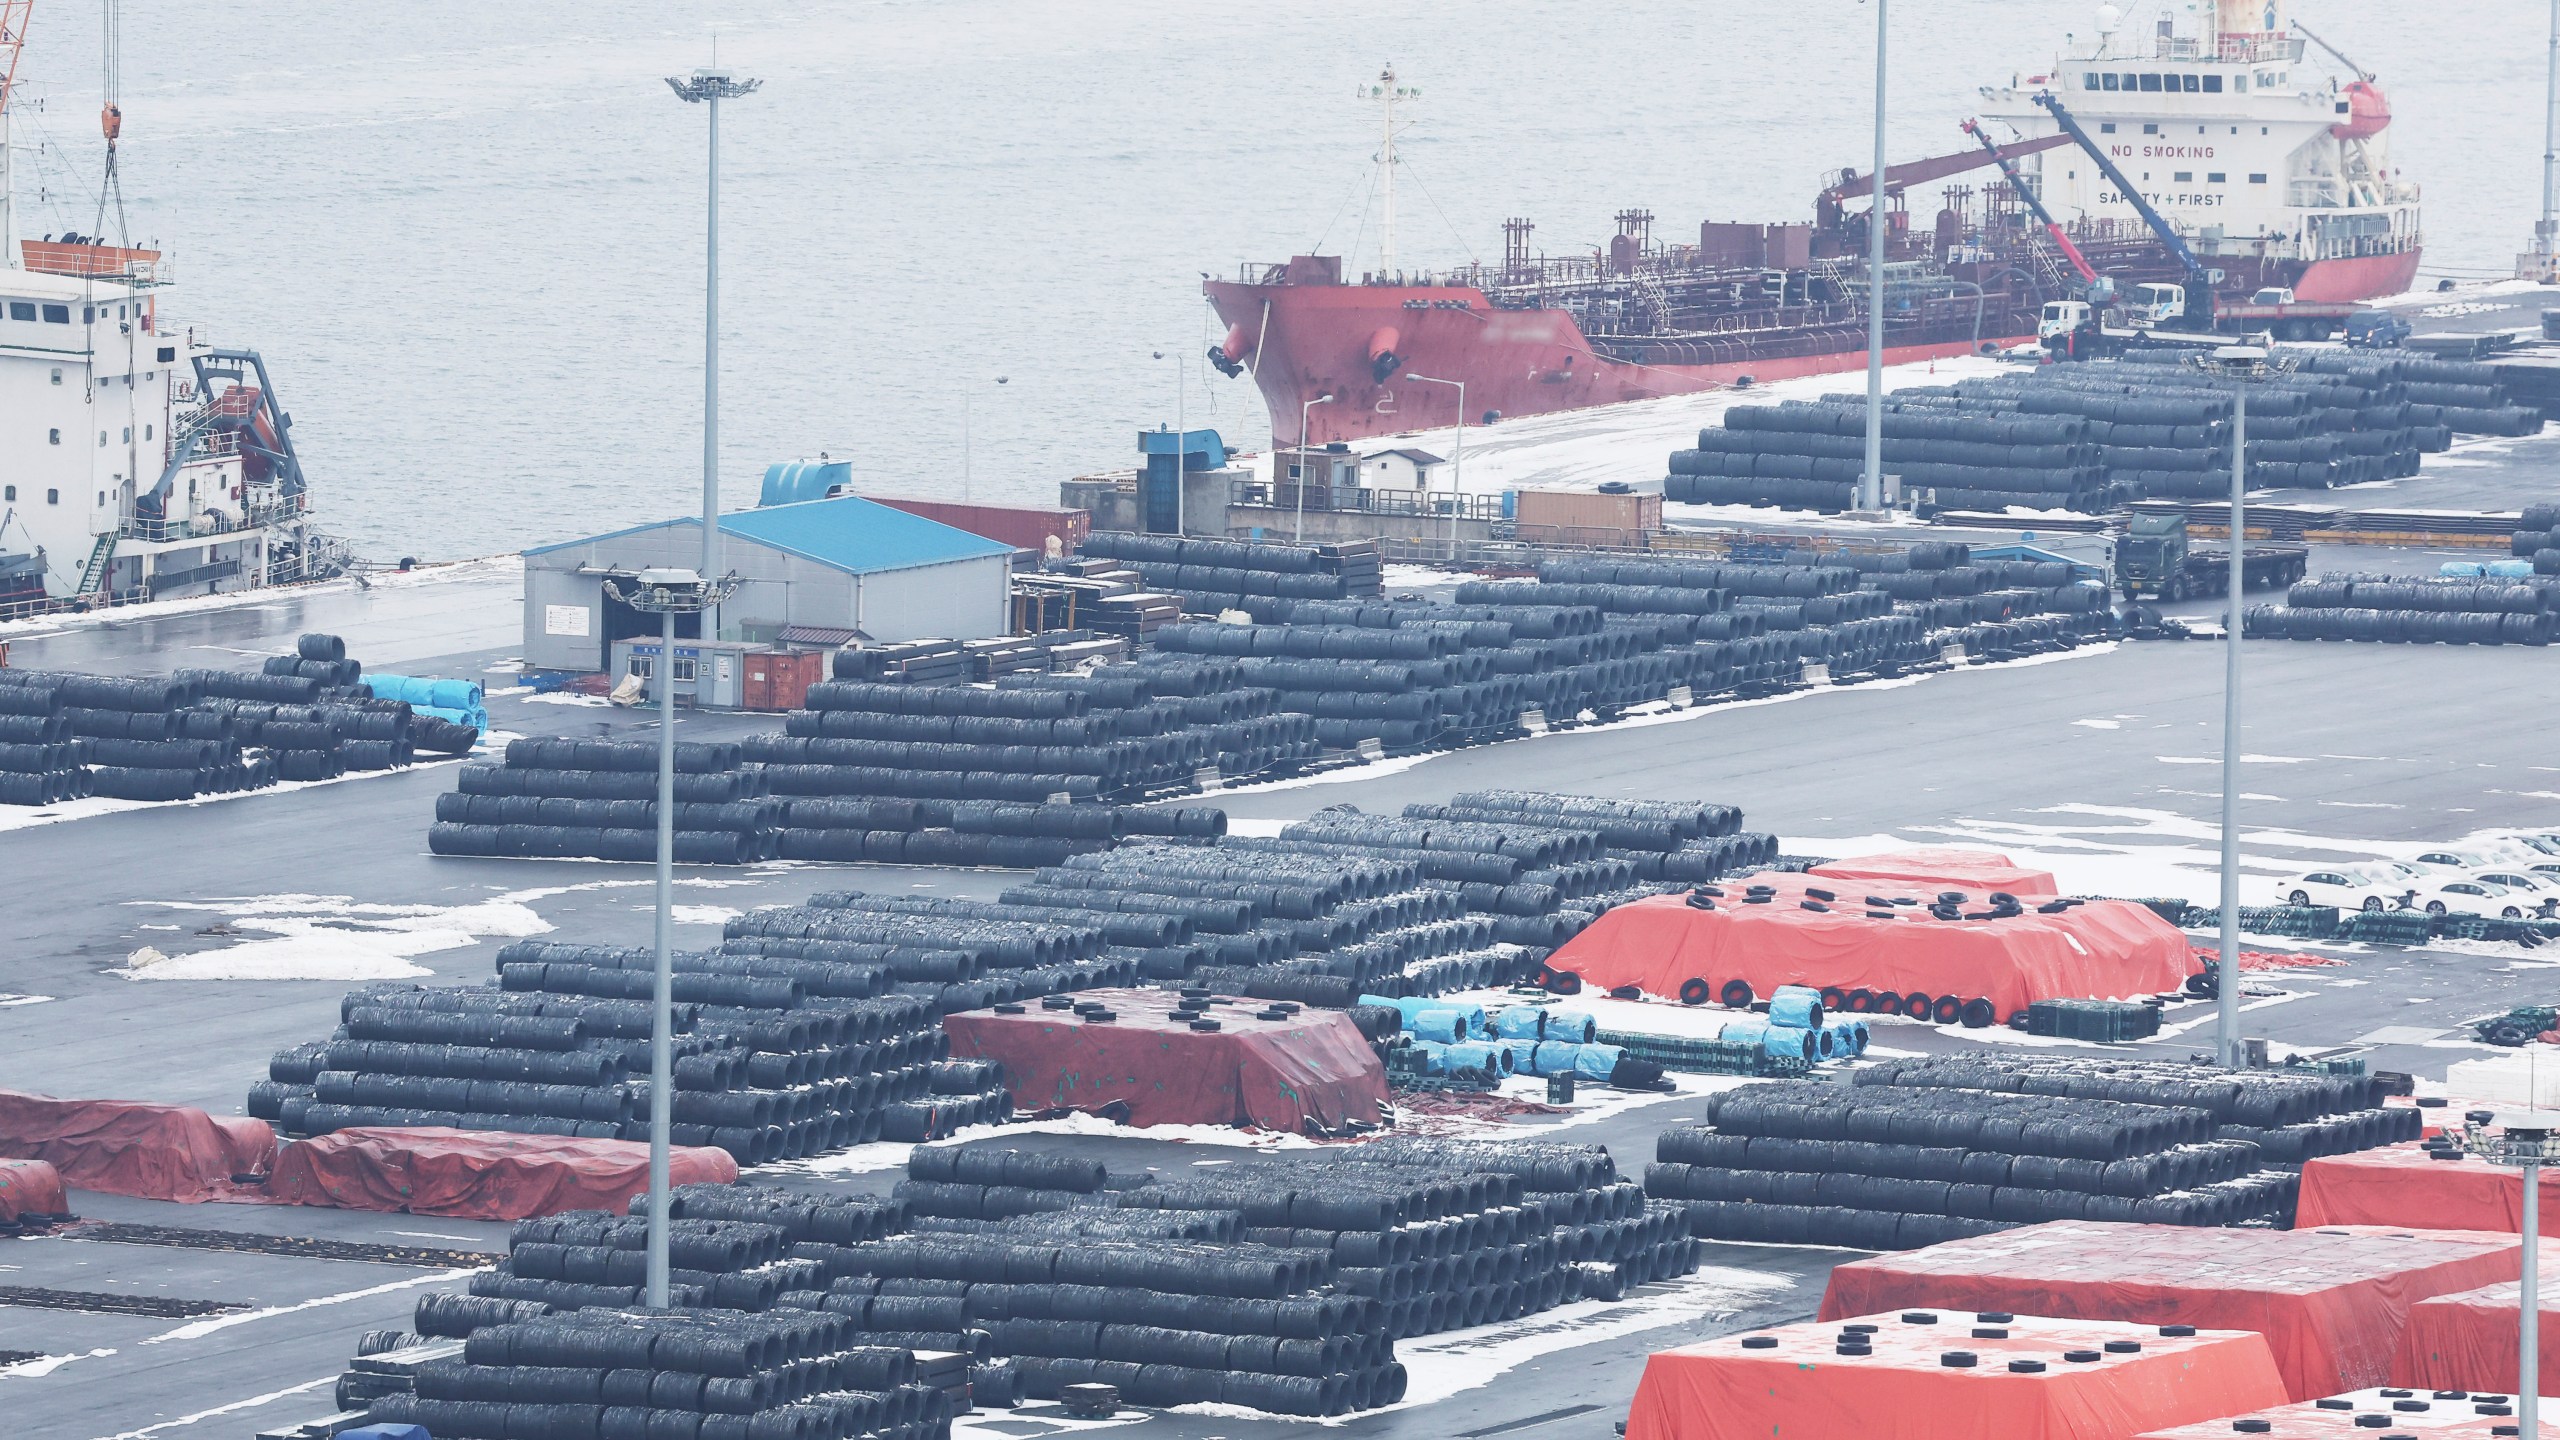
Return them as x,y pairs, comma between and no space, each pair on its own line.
468,237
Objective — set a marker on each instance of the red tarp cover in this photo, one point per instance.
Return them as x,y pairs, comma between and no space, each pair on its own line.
1947,867
477,1174
2446,1419
2470,1340
1721,1390
30,1187
2103,949
2399,1185
2331,1302
1277,1074
127,1147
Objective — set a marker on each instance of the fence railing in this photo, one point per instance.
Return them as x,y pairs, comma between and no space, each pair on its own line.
1362,499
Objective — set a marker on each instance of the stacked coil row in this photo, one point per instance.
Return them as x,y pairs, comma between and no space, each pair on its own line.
783,1048
527,1374
2537,538
2449,612
1209,575
597,799
1888,1168
64,735
2088,436
1123,731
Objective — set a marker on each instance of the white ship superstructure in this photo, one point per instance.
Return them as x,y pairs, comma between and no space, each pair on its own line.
2252,151
137,460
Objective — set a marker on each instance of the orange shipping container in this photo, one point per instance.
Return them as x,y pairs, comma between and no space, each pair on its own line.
1589,510
780,679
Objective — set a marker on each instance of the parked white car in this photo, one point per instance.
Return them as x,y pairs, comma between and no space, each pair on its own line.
2356,889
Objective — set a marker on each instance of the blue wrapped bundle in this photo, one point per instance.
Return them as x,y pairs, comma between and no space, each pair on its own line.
1790,1041
1596,1062
1441,1026
1571,1025
1411,1005
1524,1056
1478,1055
1796,1006
1520,1022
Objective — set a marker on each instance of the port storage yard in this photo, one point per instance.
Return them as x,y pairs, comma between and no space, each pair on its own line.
857,871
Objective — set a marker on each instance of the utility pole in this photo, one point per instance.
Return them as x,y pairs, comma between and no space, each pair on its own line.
1871,484
711,87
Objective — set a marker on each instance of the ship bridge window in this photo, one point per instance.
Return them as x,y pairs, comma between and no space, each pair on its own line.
53,497
22,310
2240,84
2150,81
2091,81
2211,177
2107,81
57,314
2150,129
2183,177
9,493
2192,84
2106,127
2258,179
2212,84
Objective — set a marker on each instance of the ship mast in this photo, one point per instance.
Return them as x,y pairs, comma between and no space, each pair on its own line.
1388,94
13,39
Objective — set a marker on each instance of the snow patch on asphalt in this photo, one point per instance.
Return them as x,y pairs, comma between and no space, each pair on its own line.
1439,1367
336,937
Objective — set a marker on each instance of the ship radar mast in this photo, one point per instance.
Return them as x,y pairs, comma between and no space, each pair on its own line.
13,39
1388,94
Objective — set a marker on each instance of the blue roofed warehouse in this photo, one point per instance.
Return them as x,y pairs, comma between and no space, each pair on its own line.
834,564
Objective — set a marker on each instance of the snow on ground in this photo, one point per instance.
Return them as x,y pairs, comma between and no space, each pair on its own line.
1579,449
336,937
36,627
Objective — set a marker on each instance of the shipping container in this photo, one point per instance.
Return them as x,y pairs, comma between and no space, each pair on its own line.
780,679
1632,515
1022,526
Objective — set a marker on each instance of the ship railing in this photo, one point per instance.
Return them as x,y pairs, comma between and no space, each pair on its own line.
1361,499
257,517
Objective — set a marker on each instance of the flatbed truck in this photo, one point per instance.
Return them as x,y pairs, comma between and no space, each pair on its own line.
2155,561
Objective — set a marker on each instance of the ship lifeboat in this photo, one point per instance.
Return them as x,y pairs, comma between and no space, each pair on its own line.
1230,354
2368,112
1383,358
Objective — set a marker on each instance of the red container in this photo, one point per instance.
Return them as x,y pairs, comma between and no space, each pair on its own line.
780,679
1022,527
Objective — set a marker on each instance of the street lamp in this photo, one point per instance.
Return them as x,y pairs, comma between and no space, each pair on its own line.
711,87
967,394
665,593
1457,456
2525,1143
1181,440
1306,414
1871,482
2242,365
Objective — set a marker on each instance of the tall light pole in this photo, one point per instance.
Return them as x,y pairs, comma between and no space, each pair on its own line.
1181,439
968,393
711,87
665,593
1457,458
2546,231
2524,1142
1871,483
1306,417
2242,365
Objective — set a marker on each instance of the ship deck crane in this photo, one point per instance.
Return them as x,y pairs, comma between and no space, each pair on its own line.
2052,227
2199,281
1897,178
2339,55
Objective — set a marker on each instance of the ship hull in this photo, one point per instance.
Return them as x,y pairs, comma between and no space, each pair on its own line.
2358,277
1309,341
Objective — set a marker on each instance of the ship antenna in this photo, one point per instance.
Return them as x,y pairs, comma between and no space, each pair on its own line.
1389,94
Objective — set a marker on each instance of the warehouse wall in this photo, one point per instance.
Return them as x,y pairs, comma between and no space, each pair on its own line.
959,600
